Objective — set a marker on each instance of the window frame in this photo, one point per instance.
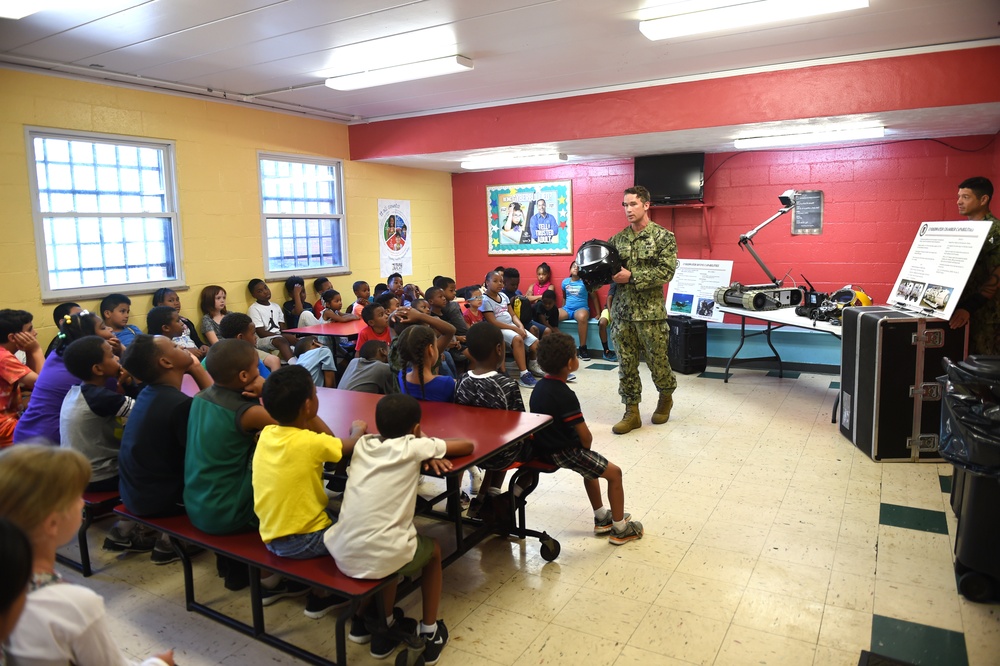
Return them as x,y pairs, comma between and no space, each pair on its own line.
168,150
340,216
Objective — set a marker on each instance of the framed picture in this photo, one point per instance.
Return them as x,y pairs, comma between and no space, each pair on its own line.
530,218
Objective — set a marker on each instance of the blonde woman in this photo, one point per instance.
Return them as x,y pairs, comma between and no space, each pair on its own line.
41,490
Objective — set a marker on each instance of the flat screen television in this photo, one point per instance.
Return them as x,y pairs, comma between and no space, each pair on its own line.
672,178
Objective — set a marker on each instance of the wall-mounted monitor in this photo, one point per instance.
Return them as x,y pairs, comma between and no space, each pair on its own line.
672,178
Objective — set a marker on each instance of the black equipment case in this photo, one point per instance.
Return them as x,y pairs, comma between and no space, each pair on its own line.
889,399
687,348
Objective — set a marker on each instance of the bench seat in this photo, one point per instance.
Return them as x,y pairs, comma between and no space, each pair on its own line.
95,505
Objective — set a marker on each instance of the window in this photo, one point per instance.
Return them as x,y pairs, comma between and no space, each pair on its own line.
302,203
105,214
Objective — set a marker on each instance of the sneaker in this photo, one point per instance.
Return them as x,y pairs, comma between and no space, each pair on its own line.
286,589
317,607
361,635
464,500
535,369
476,476
434,643
571,377
384,643
632,531
610,355
604,526
475,508
136,540
583,353
527,380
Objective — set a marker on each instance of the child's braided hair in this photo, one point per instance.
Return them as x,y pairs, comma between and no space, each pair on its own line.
410,348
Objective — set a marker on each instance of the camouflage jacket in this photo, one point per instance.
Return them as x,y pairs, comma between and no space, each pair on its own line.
984,326
651,256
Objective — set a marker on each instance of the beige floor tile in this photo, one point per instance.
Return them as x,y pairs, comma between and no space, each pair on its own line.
495,634
652,550
746,511
851,591
857,532
924,605
569,647
807,525
672,526
723,565
743,645
858,560
452,656
780,614
790,579
679,635
981,623
846,629
687,505
826,656
762,493
702,596
623,578
742,538
700,484
633,656
537,597
791,547
616,616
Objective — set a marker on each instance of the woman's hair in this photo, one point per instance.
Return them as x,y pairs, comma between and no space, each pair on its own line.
207,299
160,295
412,346
15,562
75,326
37,480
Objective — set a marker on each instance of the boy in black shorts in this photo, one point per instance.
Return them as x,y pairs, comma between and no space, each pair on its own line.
566,443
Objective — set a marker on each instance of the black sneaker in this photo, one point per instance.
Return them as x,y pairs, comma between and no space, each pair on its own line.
286,589
165,554
136,540
361,634
384,643
317,607
584,354
434,643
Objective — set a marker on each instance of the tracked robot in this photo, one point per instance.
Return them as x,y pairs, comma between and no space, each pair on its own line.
772,295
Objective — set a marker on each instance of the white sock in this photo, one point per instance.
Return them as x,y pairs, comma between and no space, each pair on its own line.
270,582
428,628
389,621
602,513
493,492
619,525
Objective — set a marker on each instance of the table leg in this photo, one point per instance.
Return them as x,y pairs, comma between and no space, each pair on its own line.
767,336
743,337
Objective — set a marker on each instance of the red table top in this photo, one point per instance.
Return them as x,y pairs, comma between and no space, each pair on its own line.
490,429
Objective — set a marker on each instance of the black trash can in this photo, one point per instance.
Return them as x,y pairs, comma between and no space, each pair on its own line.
970,440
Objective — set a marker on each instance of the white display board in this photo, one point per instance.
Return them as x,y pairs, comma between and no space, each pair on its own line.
692,291
938,266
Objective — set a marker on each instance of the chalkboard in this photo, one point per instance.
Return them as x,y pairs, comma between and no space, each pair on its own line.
807,216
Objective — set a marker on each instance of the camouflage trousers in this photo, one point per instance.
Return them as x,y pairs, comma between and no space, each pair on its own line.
633,337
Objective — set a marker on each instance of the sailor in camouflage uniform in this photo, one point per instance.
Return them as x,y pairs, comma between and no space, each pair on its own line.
980,302
639,312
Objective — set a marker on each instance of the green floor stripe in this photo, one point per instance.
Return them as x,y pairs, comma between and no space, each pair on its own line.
911,518
835,385
918,644
602,366
789,374
714,375
945,482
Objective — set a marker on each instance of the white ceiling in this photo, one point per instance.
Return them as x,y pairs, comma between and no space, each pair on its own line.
277,52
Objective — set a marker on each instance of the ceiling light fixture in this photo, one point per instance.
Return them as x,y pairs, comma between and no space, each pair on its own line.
695,18
410,71
810,137
17,9
508,160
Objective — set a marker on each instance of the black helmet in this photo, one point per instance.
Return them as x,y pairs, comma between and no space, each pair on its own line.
597,261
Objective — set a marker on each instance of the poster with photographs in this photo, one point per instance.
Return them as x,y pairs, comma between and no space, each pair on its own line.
938,266
530,218
394,237
692,291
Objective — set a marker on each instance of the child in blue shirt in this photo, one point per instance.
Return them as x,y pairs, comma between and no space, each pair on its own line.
115,309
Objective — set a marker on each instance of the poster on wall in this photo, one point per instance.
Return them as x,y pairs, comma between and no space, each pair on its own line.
530,218
394,237
692,291
807,216
938,266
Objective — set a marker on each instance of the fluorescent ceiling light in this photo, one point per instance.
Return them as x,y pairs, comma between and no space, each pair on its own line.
406,72
507,160
16,9
695,18
807,138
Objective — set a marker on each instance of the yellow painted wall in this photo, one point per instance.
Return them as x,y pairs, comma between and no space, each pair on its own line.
218,188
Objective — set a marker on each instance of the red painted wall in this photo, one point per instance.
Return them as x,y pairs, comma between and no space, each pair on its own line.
874,199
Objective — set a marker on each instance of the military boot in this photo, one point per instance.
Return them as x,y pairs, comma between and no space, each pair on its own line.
662,412
630,421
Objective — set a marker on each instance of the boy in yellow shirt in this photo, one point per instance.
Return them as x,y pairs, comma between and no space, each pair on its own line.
288,495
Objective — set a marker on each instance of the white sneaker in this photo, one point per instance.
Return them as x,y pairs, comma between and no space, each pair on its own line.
535,369
476,478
